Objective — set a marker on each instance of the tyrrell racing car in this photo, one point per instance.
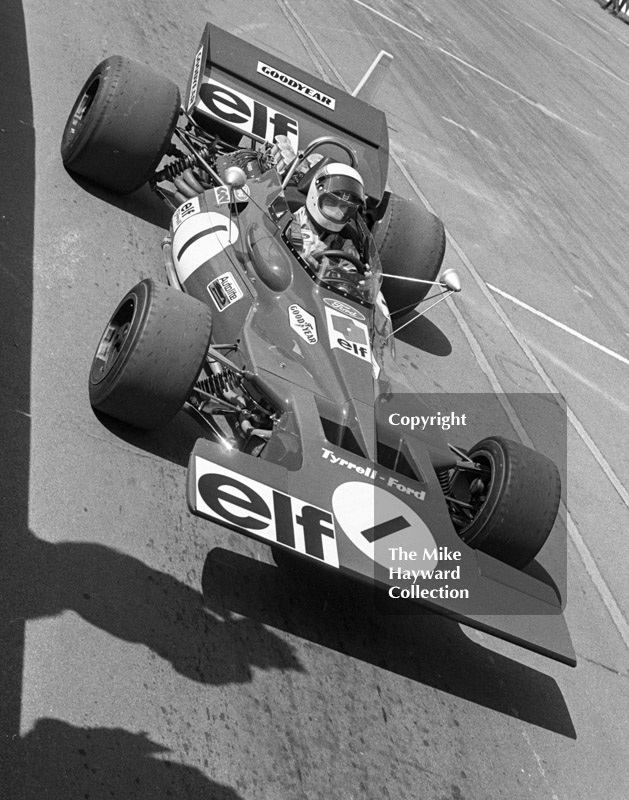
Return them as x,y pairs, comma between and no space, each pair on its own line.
286,364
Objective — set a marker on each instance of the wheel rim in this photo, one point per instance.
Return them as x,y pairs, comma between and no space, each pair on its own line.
475,494
113,340
81,109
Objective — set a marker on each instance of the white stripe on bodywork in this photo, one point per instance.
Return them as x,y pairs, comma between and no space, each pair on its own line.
216,233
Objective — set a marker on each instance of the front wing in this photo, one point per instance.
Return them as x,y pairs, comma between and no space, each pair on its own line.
349,515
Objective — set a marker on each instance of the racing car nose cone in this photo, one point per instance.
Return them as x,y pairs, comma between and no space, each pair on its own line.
450,279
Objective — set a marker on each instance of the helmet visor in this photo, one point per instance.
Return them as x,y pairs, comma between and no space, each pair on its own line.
339,208
340,198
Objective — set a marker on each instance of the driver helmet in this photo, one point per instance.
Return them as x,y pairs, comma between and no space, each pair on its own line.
336,193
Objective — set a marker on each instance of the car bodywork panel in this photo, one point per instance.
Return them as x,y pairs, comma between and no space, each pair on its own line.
268,502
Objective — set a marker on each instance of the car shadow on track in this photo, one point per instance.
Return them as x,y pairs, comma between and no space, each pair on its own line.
338,614
143,203
173,442
424,335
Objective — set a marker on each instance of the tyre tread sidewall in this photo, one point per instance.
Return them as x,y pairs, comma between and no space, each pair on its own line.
161,359
522,506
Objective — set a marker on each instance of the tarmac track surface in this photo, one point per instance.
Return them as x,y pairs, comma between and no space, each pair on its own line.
146,653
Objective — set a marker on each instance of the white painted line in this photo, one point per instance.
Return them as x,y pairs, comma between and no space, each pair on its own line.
462,127
310,45
561,325
586,556
584,292
598,580
452,122
531,357
486,367
587,60
607,398
577,539
534,104
392,21
534,361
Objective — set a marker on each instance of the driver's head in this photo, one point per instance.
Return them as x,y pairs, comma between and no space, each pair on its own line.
335,195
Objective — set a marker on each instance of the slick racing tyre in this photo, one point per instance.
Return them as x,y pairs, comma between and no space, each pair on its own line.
512,503
120,125
150,355
411,243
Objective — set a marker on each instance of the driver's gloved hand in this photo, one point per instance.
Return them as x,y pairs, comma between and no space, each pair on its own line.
365,280
282,154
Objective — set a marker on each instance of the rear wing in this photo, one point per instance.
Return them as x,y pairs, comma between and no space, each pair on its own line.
236,89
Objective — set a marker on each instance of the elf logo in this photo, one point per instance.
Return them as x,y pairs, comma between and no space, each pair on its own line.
248,115
258,510
184,211
348,334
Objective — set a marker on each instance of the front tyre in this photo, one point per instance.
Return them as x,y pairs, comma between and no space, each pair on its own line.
513,500
150,355
121,125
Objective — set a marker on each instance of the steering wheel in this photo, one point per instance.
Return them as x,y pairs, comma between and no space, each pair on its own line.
341,255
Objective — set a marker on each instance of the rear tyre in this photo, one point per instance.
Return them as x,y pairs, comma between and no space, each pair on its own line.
150,355
515,501
411,243
121,125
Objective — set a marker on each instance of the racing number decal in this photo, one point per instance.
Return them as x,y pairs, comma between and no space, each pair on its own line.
259,510
374,520
348,334
250,116
386,528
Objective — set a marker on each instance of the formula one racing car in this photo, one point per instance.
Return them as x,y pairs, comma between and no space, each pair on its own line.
287,363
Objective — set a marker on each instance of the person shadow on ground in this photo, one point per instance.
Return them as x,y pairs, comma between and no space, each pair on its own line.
125,597
58,761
